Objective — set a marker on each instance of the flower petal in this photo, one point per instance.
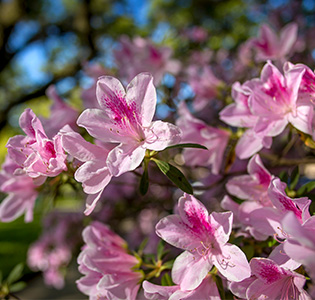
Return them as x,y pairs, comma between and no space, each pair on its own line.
142,91
124,158
189,270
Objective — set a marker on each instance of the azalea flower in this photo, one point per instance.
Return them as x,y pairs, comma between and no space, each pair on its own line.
37,155
204,238
141,55
196,131
266,106
106,265
270,281
271,46
254,186
125,118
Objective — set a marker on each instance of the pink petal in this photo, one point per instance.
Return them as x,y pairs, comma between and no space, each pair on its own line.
223,223
165,134
122,286
111,88
288,37
99,125
30,123
91,202
189,270
248,144
14,205
94,175
82,150
172,230
303,118
125,158
142,91
158,292
232,263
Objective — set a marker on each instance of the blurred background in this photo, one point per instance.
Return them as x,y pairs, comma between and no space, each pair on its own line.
45,42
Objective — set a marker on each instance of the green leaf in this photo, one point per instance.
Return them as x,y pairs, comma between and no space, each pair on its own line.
144,182
142,246
284,176
220,286
306,188
168,264
249,251
160,250
1,277
294,179
16,287
15,274
175,175
187,145
166,280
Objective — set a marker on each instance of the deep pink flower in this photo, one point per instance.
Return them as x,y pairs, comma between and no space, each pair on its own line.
267,220
196,131
275,282
266,107
106,265
141,55
271,46
254,186
204,237
125,117
36,154
21,190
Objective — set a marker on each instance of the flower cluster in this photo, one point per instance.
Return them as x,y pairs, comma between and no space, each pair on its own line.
250,233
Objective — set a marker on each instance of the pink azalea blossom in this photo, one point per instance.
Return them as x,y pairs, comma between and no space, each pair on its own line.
106,265
242,217
254,186
206,290
93,172
125,117
196,131
141,55
268,220
204,84
266,106
270,281
21,190
262,216
271,46
36,154
204,237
